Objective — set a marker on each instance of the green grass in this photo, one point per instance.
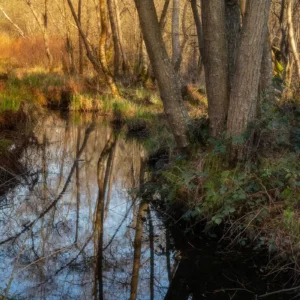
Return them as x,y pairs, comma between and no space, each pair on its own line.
4,146
39,80
11,99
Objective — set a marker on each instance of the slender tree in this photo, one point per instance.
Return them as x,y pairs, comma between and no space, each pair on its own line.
42,21
175,33
114,31
168,81
291,36
102,49
80,44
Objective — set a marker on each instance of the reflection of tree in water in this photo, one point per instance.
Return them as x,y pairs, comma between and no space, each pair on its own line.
73,233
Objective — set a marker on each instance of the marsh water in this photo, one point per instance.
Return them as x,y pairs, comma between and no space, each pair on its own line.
74,227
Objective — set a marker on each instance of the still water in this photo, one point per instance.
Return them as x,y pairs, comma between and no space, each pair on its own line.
74,227
71,225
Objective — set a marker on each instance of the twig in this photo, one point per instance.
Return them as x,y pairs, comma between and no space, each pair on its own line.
280,291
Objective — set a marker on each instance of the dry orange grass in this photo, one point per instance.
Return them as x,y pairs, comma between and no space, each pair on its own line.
30,52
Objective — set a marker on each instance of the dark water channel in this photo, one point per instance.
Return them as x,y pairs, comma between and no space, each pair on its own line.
74,228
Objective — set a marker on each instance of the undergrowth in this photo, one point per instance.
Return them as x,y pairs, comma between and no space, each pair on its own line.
256,202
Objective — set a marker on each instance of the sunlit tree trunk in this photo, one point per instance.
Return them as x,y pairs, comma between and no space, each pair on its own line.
243,7
99,67
114,31
185,36
168,81
291,36
126,65
94,61
284,45
80,44
163,16
43,24
16,26
69,44
198,24
102,49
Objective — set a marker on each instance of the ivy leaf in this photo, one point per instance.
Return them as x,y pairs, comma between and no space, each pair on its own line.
218,221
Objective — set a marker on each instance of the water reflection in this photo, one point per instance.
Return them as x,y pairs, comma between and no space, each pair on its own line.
75,231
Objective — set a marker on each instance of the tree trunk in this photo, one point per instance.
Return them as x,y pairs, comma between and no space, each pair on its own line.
126,65
19,30
94,61
102,49
243,7
46,37
80,45
163,16
291,36
43,24
113,25
168,81
284,44
215,63
244,93
266,74
233,27
198,27
70,69
185,36
175,33
266,71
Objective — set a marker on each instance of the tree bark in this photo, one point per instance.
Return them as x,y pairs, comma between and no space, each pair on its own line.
215,63
163,16
69,45
16,26
43,24
168,81
243,7
266,72
94,61
102,49
198,27
244,93
113,25
291,36
126,65
80,45
233,27
175,33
